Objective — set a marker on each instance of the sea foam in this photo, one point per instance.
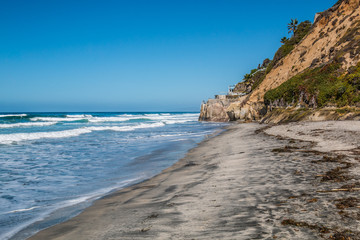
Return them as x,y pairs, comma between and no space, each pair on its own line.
58,119
61,154
79,116
27,124
13,115
17,137
167,118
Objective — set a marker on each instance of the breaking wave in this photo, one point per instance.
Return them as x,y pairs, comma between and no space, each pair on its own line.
13,115
17,137
27,124
166,118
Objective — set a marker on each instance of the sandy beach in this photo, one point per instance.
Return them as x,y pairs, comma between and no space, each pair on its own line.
294,181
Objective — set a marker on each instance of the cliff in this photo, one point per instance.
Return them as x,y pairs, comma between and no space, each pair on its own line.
218,109
214,110
317,68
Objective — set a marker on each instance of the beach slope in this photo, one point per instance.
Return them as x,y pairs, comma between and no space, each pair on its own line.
242,184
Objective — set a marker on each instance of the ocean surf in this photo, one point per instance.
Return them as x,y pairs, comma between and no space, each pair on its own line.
53,165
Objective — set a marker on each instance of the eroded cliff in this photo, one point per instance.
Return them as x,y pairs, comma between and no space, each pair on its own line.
333,39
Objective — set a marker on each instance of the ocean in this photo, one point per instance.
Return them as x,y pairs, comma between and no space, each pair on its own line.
53,165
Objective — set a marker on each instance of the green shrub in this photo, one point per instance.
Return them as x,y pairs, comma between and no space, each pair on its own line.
324,83
253,71
258,78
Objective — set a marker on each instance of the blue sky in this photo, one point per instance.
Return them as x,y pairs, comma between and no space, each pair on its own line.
135,55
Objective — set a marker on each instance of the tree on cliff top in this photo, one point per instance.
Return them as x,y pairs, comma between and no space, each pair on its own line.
292,26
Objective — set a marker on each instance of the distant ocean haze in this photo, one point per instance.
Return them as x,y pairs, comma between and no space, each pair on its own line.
52,161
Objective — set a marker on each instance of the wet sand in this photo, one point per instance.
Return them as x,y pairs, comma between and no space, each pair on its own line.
246,183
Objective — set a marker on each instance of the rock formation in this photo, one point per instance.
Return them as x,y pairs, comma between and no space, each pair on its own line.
214,110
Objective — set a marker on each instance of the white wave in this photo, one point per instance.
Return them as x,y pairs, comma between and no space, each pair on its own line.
128,128
17,137
22,210
169,135
13,115
27,124
57,119
112,119
177,121
126,115
79,116
166,117
89,118
127,118
171,119
96,194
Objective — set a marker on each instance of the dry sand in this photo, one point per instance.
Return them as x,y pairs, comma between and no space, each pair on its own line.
327,135
242,184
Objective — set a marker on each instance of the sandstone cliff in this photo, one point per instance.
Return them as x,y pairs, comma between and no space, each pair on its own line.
333,38
214,110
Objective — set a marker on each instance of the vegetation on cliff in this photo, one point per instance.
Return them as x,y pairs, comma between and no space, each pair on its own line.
324,86
253,79
317,67
332,84
300,32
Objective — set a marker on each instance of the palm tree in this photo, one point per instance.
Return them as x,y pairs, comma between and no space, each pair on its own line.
292,26
284,40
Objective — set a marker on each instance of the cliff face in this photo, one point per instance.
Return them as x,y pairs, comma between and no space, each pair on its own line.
217,110
214,110
334,37
320,46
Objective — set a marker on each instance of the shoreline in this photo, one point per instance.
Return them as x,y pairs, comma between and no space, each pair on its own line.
234,185
65,213
181,163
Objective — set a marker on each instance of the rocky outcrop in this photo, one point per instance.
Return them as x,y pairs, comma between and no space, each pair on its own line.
214,110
